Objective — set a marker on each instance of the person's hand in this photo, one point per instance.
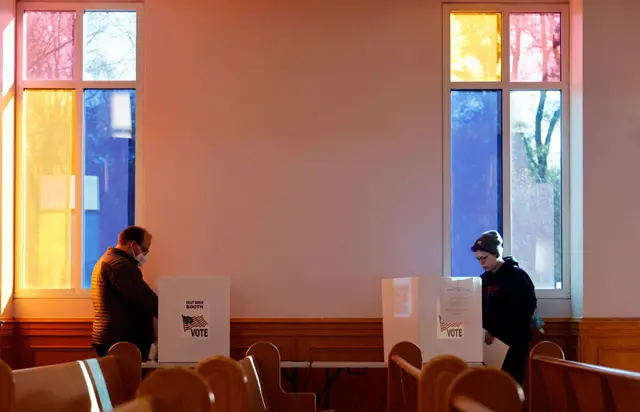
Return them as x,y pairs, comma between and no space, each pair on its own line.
488,339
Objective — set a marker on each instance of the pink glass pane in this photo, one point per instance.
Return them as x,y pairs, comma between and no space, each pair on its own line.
534,47
49,45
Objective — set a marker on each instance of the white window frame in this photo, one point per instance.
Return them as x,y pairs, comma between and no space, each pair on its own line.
506,86
79,85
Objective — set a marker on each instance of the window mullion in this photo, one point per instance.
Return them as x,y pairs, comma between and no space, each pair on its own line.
506,170
78,158
446,144
506,131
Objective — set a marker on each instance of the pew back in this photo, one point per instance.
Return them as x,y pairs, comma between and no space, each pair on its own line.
491,388
266,358
437,376
76,386
171,390
538,394
138,405
414,387
258,376
176,390
404,363
7,388
464,404
572,386
226,380
254,400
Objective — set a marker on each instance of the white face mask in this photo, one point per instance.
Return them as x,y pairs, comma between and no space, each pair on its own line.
140,257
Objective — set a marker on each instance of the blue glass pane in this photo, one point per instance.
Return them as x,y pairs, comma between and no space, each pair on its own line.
109,171
476,173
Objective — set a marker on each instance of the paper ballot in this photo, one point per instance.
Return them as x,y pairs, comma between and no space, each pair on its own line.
493,355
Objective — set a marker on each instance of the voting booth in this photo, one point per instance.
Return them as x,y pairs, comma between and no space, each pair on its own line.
442,315
193,318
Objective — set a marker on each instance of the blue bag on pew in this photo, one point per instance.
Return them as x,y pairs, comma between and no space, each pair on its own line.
537,323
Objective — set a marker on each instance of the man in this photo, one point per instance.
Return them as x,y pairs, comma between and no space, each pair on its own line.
508,302
123,304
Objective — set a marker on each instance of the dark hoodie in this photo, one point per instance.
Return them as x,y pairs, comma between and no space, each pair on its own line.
508,303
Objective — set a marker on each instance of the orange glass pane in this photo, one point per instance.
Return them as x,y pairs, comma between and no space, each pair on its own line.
46,188
49,45
476,47
535,47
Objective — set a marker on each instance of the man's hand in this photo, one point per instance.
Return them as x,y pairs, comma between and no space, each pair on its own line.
488,339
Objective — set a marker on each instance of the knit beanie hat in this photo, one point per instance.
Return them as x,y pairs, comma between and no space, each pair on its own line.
489,242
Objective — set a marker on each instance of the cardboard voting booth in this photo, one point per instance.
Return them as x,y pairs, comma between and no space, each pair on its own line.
193,318
442,315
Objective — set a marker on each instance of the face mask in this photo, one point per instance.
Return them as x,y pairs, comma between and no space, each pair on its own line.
140,257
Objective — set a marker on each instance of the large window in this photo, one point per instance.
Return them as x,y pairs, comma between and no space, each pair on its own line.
506,138
77,75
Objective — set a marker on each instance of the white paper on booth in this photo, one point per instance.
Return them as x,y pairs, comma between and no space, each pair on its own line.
402,297
493,355
456,301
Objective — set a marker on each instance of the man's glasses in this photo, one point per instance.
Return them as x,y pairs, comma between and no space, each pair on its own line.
143,249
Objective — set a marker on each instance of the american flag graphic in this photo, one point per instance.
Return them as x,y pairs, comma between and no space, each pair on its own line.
447,325
190,322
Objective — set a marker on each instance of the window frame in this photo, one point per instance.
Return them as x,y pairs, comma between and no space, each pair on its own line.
79,86
505,85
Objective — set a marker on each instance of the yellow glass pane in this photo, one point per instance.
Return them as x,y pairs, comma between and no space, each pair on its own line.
46,176
476,47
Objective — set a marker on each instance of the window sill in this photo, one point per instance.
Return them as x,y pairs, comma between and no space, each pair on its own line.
553,294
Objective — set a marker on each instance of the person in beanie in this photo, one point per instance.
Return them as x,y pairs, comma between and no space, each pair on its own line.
508,302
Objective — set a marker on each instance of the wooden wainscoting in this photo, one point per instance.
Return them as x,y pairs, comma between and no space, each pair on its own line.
29,342
7,333
610,342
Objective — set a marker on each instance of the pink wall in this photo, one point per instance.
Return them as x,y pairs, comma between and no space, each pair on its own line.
7,71
295,147
611,158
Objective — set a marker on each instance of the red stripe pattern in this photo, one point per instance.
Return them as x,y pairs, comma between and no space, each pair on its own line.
449,325
190,322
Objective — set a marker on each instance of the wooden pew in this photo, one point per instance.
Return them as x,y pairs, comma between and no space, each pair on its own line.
414,387
484,389
538,400
563,386
7,388
446,383
227,381
171,390
464,404
76,386
252,384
